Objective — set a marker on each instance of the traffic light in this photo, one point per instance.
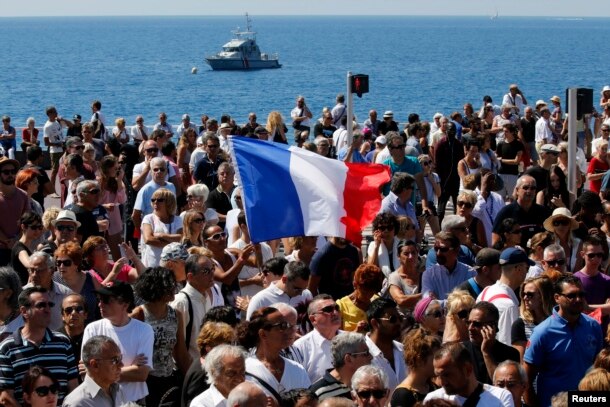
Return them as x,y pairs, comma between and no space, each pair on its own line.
360,84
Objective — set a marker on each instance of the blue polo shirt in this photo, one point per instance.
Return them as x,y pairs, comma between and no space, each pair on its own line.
562,354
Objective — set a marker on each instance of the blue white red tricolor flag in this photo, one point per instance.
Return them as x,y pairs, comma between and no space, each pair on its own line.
290,191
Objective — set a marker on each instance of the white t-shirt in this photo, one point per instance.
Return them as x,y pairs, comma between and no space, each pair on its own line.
53,132
139,168
151,255
491,397
135,338
507,303
293,377
249,272
272,295
298,112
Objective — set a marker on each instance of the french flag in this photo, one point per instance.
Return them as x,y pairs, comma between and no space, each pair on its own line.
290,191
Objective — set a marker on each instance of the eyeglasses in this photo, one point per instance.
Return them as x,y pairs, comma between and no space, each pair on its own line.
594,255
42,391
561,222
65,228
426,162
66,263
465,204
218,236
554,263
388,228
441,249
506,384
36,227
194,198
398,147
199,220
158,169
528,187
364,353
93,191
9,172
204,271
463,314
44,304
152,150
605,130
528,294
436,314
329,309
113,361
78,147
477,324
157,200
573,296
213,145
282,326
392,319
79,310
376,393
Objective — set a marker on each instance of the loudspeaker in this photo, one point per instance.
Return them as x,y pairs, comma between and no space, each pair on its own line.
584,102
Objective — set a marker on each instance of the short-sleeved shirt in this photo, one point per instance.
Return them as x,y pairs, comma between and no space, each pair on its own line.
596,166
529,221
206,172
439,280
143,203
53,132
327,386
597,288
409,165
88,222
508,151
54,353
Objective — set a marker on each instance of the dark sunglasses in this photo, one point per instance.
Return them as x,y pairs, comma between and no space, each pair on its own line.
66,263
9,172
466,205
441,249
377,394
44,304
158,200
436,314
463,314
206,270
282,326
398,147
426,162
329,309
528,187
213,146
199,220
152,150
573,296
79,147
591,256
42,391
477,324
79,309
554,263
217,236
528,294
385,227
561,222
36,227
67,228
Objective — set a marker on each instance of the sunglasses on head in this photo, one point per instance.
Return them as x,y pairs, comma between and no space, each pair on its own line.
67,228
79,309
376,393
217,236
42,391
329,309
66,263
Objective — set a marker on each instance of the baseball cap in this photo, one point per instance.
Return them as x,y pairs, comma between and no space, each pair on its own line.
76,117
550,148
186,117
513,255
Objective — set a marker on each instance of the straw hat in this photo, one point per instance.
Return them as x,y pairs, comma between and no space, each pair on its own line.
557,214
556,99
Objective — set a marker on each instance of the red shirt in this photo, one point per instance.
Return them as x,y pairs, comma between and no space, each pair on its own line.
597,166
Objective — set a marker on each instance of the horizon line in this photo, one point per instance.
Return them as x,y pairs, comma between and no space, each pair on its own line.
307,15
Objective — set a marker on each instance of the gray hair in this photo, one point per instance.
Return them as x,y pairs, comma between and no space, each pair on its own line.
85,185
9,280
46,256
225,166
522,179
30,120
158,161
367,371
319,139
213,360
393,135
451,221
282,307
555,249
296,269
344,344
198,190
514,364
92,349
312,308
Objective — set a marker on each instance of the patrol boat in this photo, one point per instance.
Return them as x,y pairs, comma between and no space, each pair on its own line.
242,53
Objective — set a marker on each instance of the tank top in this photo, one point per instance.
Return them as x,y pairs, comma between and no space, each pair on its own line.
468,172
166,331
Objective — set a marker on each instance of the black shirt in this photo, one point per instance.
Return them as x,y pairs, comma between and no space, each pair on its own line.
499,353
221,202
529,130
509,150
88,221
529,221
384,127
335,266
206,172
320,130
195,383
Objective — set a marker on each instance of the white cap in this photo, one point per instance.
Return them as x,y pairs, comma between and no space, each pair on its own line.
186,117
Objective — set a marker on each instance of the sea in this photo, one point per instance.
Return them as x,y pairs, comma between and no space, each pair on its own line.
424,65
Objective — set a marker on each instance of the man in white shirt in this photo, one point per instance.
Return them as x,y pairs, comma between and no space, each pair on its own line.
453,366
139,132
53,138
515,98
488,203
315,347
164,125
186,123
544,134
142,171
195,299
301,116
515,265
135,338
290,289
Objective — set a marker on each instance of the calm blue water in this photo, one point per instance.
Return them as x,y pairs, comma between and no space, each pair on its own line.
416,64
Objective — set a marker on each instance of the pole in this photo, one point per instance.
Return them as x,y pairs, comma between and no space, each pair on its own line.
350,110
572,136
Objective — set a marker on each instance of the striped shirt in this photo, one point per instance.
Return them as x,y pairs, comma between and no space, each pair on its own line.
54,353
327,386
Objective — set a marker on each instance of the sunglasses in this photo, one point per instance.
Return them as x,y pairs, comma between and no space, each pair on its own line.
528,187
66,263
206,270
426,162
213,145
157,200
553,263
594,255
377,394
561,222
9,172
79,310
158,169
114,361
466,205
441,249
477,324
529,294
329,309
385,227
506,384
44,304
436,314
36,227
282,326
42,391
573,296
152,150
463,314
218,236
199,220
65,228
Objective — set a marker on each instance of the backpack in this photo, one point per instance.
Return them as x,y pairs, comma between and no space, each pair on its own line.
99,130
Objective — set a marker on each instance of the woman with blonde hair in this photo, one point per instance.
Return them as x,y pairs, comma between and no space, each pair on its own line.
466,201
160,227
536,305
89,157
598,166
597,379
537,244
276,127
193,223
406,229
120,131
459,304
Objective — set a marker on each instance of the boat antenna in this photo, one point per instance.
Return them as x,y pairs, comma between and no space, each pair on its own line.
248,21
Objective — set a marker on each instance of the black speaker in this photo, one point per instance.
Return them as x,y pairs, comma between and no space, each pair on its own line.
584,101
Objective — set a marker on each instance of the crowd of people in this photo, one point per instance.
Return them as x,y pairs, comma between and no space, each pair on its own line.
143,287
